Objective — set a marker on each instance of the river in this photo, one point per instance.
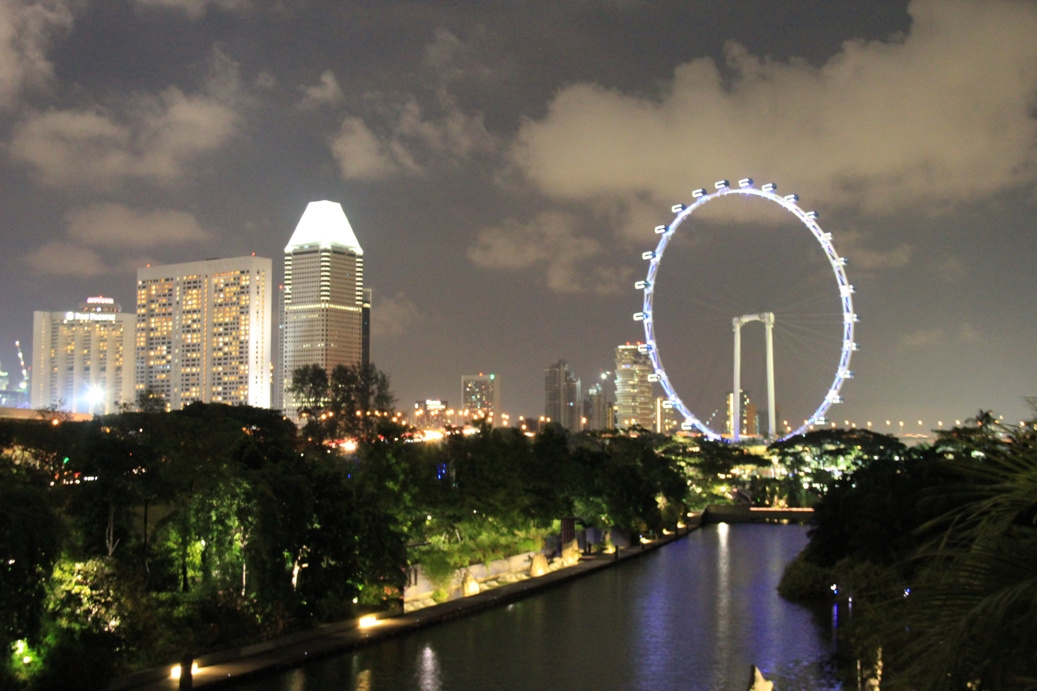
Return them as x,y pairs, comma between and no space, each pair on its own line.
694,614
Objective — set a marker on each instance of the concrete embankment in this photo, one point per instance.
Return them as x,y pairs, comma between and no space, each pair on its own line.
342,637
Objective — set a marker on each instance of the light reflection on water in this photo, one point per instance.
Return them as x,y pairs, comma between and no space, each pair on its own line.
692,615
429,670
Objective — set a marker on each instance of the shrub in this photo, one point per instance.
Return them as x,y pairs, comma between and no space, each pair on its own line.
805,580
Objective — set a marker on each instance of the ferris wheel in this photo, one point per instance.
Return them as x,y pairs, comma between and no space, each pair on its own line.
809,219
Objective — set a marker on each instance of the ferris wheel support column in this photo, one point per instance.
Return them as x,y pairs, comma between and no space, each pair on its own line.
736,388
768,321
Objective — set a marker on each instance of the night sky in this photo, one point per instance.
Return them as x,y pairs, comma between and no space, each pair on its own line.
503,165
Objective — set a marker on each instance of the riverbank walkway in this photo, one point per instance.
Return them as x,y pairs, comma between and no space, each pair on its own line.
341,637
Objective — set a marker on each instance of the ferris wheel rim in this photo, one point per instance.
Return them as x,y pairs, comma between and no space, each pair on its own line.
809,219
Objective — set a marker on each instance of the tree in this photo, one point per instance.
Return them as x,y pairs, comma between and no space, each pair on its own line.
971,616
310,388
30,539
358,395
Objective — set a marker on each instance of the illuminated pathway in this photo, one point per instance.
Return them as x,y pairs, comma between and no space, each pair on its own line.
340,637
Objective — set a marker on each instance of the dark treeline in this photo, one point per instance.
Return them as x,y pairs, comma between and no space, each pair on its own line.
936,548
130,539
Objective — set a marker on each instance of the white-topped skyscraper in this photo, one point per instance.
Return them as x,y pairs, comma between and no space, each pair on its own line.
323,302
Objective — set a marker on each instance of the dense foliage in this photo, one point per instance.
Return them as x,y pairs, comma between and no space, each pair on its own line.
133,538
938,549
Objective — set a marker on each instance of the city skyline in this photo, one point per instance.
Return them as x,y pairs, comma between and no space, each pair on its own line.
504,169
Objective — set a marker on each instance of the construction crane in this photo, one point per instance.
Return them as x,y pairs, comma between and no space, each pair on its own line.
25,372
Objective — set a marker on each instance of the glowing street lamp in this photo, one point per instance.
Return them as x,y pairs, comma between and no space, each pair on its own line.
95,397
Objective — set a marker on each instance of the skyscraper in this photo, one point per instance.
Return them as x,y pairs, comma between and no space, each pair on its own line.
599,410
480,394
322,317
562,400
82,361
634,403
204,332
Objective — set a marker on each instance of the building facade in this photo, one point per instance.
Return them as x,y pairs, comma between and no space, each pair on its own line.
82,361
430,414
480,397
635,405
562,399
323,313
599,410
204,332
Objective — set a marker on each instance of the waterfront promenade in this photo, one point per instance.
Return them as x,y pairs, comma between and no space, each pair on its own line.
341,637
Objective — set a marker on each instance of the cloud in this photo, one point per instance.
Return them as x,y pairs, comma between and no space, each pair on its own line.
362,156
452,59
416,136
549,242
868,259
118,226
195,9
950,269
326,93
967,333
153,138
412,143
941,116
393,316
26,33
99,236
66,259
923,338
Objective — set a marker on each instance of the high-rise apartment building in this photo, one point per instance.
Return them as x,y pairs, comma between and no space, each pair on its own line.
667,420
82,361
480,397
323,313
562,400
634,402
204,332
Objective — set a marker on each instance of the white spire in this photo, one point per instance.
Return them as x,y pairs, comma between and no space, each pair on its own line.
325,224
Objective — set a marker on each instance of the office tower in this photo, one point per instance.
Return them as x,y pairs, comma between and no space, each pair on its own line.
598,408
204,332
634,403
82,361
322,317
480,397
365,329
749,424
562,396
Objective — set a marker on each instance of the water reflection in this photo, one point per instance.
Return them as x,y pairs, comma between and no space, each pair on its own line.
428,678
722,598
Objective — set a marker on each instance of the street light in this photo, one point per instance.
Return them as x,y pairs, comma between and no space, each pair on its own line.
95,397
